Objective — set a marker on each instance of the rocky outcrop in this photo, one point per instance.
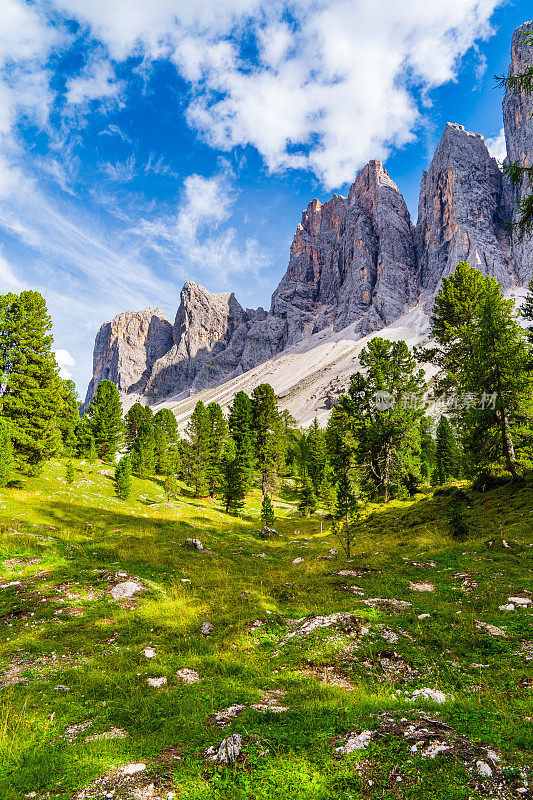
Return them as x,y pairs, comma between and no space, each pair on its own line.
352,260
518,125
461,213
126,349
355,262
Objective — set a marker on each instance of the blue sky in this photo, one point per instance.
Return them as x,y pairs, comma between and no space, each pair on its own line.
143,144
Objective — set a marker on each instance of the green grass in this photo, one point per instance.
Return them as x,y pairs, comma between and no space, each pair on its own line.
61,547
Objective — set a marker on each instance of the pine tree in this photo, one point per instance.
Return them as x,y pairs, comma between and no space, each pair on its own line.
123,482
171,486
233,479
527,309
29,384
6,453
317,455
198,432
447,454
427,449
267,512
143,451
307,502
133,420
240,428
167,453
345,509
105,414
69,473
266,427
68,414
217,438
385,409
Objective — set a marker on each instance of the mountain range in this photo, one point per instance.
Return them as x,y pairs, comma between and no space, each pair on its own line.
357,265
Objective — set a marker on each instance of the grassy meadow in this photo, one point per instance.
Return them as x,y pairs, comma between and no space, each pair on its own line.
419,611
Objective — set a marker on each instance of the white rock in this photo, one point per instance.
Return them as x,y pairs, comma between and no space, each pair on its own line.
358,742
424,616
483,769
507,607
156,683
429,694
149,652
520,601
133,769
421,587
187,675
124,590
194,543
297,561
229,749
206,629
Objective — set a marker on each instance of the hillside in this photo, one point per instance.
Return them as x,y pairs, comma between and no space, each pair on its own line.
396,675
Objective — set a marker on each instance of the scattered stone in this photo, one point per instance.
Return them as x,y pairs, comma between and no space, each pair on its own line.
267,533
388,604
62,688
358,741
356,573
298,561
520,601
507,607
133,769
429,694
345,622
73,731
156,683
333,552
270,702
421,587
194,544
255,625
329,677
206,629
113,733
492,630
390,636
228,750
483,769
187,675
149,652
124,590
225,717
424,616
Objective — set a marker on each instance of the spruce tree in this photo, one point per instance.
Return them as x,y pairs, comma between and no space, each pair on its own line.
317,455
91,452
198,431
233,480
307,502
345,510
107,426
167,453
122,480
143,451
136,415
69,473
427,449
217,438
447,454
6,453
29,384
240,428
527,309
171,486
266,427
267,512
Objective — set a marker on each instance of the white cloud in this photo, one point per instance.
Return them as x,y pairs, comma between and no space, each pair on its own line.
8,280
497,147
96,82
337,86
64,360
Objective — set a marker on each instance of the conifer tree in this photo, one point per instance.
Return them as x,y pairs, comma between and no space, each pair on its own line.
198,431
68,414
6,453
240,428
217,438
133,420
447,455
107,426
171,486
91,452
69,473
266,426
123,482
307,502
527,309
233,479
29,382
427,449
267,512
167,453
317,455
143,451
345,510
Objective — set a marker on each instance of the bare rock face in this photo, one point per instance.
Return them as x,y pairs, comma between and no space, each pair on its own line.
518,124
126,349
461,213
352,260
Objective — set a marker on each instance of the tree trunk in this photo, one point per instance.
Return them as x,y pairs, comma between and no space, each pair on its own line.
386,478
507,444
347,535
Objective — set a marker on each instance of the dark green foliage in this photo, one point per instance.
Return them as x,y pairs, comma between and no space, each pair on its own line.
133,420
458,525
346,507
427,449
447,453
31,388
84,436
198,431
385,408
6,453
307,502
527,309
240,428
267,512
91,452
143,451
268,442
217,439
317,456
122,480
69,473
105,415
234,479
68,415
167,453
